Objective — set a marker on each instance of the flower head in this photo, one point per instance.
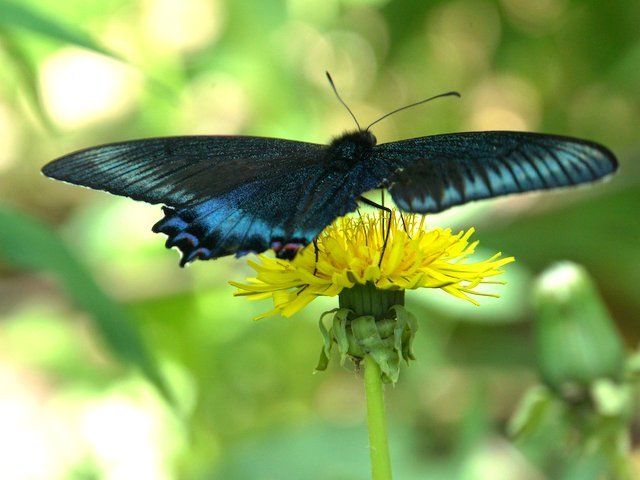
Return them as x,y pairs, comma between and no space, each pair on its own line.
349,252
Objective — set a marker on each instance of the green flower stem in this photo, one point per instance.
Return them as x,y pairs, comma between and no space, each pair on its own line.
376,420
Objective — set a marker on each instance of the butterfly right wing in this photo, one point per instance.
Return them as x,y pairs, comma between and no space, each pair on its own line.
437,172
224,195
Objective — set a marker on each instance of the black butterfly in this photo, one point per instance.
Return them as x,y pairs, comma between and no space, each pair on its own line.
234,194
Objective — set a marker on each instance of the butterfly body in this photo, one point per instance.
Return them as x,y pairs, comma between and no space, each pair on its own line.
228,195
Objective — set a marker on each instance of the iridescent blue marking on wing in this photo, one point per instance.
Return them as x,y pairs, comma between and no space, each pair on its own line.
437,172
251,218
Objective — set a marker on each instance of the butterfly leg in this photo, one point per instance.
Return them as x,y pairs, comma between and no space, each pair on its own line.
386,232
404,225
316,251
382,206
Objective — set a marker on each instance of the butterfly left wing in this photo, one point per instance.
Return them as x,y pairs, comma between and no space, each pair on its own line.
223,195
178,171
437,172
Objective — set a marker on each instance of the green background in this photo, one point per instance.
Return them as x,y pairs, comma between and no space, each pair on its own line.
113,359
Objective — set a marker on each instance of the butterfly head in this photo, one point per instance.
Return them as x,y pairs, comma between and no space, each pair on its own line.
350,149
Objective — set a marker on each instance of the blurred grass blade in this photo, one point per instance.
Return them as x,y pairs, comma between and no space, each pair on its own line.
28,244
27,75
28,18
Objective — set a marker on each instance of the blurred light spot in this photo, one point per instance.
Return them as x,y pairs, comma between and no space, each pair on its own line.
55,421
314,11
560,281
217,104
597,112
115,236
338,399
309,41
33,338
536,17
370,23
118,35
354,59
183,25
503,310
496,118
377,3
504,103
80,87
464,35
8,137
347,56
210,316
124,437
498,460
447,393
28,451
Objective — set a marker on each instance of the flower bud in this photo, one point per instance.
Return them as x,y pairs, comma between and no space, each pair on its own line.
576,340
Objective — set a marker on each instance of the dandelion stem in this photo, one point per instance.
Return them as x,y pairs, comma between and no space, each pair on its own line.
378,438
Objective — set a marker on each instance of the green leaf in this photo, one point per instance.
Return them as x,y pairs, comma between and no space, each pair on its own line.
27,74
26,243
28,18
534,409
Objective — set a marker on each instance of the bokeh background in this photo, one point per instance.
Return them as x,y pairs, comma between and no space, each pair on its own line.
98,323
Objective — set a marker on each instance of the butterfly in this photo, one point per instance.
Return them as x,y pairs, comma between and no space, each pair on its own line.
225,195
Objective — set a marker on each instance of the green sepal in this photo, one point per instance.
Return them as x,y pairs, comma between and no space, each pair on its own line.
405,336
372,337
386,340
341,333
327,341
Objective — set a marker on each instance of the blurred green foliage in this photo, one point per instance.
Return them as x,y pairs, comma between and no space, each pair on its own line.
246,403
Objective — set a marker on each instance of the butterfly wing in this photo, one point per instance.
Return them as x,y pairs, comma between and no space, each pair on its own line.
224,195
180,170
437,172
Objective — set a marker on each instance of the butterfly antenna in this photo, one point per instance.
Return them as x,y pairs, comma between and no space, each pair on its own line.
335,90
446,94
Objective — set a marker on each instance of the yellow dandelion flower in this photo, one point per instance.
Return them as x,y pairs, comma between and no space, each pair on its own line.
349,253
